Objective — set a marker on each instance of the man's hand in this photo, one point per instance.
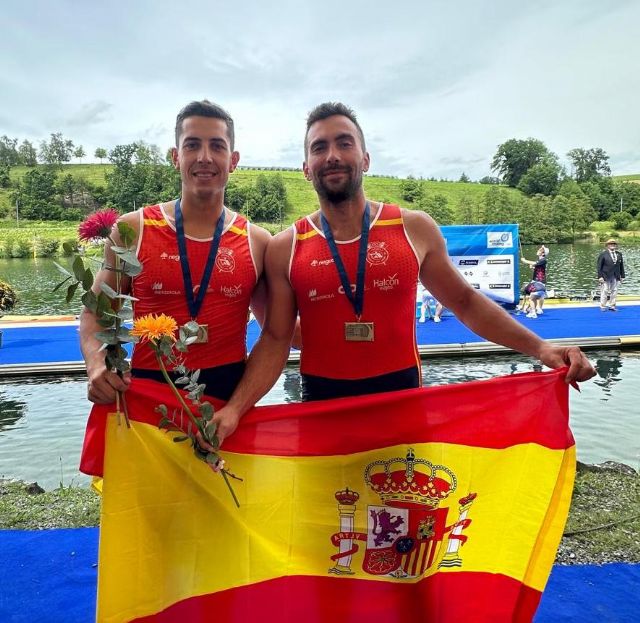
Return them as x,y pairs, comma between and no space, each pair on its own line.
580,368
103,385
227,420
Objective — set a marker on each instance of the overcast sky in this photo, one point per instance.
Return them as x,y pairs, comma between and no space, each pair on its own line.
437,85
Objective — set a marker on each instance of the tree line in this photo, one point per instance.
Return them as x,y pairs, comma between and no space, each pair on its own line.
553,204
140,175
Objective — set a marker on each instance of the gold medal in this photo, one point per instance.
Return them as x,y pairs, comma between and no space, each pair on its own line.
358,331
203,334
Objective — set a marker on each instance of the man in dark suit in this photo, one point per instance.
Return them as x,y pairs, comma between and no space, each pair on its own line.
610,273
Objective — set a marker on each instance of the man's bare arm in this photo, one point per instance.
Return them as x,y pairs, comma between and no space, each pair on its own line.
259,241
477,311
269,355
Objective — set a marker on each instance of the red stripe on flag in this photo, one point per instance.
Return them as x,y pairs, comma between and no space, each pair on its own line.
479,413
441,598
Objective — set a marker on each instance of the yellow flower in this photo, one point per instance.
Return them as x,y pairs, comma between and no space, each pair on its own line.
153,327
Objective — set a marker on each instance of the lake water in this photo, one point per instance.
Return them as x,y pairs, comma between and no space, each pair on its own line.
571,270
42,421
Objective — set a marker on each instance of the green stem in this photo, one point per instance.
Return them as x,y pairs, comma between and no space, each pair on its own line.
233,493
176,393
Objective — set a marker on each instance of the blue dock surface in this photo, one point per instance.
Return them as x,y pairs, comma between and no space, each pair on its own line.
51,575
53,347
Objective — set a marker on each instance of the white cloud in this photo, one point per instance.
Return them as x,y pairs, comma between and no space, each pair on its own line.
437,86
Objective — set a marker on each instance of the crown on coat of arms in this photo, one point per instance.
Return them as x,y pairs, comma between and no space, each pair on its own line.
408,481
346,497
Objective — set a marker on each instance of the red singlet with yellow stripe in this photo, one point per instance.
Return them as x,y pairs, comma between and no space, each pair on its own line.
160,288
391,279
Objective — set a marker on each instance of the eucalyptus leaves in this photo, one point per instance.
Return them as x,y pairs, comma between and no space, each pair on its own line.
111,306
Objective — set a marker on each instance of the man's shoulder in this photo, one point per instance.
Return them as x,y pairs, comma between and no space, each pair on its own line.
259,234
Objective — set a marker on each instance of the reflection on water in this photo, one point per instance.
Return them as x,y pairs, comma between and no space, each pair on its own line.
291,385
10,411
608,369
46,417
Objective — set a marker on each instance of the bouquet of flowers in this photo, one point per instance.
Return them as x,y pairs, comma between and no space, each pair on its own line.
111,307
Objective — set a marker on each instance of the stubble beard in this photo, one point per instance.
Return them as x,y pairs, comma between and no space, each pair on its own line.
347,191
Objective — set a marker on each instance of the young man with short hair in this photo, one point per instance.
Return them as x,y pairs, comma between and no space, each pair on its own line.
201,261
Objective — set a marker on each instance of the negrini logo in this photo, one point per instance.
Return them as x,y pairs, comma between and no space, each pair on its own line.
165,256
315,263
467,262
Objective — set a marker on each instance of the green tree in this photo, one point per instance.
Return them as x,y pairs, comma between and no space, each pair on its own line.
235,196
621,219
464,178
437,207
411,189
8,152
267,200
100,154
56,151
625,196
79,153
499,206
589,164
5,176
535,216
139,177
37,195
541,178
28,154
515,157
572,215
468,211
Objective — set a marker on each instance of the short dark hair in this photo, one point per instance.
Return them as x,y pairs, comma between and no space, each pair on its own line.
329,109
205,108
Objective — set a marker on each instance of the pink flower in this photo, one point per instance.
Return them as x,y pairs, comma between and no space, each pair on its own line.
97,225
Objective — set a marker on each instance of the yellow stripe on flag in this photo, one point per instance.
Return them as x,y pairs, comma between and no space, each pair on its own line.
170,520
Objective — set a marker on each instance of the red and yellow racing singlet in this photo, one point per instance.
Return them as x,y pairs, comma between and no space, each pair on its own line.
159,288
389,300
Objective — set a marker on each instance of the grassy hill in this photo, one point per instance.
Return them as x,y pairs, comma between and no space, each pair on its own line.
302,197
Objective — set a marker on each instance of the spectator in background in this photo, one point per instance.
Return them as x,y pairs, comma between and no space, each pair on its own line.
539,273
610,267
540,265
537,292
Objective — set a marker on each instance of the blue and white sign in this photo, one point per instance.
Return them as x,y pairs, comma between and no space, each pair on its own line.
486,256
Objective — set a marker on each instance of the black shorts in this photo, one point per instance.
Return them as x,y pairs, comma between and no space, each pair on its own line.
322,388
221,381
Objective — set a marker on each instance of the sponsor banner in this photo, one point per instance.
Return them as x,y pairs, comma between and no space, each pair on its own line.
487,257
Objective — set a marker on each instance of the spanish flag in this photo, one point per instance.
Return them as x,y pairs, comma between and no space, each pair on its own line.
441,504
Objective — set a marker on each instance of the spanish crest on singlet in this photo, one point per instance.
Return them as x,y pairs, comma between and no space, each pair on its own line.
389,300
159,288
